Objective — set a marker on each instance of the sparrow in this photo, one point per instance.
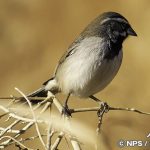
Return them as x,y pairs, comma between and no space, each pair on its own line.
92,60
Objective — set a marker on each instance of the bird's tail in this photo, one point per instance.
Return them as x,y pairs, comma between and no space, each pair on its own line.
41,92
50,85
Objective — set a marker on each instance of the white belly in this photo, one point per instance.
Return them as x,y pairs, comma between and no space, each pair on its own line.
85,74
103,76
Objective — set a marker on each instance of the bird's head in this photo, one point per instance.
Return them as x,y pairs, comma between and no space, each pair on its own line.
110,25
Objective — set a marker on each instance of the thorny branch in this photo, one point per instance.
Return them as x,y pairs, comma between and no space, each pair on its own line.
46,103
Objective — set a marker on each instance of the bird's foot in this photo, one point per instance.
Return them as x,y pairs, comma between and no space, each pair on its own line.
104,108
66,111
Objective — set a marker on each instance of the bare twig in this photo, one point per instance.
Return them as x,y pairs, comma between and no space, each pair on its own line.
9,127
47,102
6,143
30,98
76,110
26,139
59,106
20,118
49,137
34,117
57,142
16,141
130,109
75,143
9,130
50,131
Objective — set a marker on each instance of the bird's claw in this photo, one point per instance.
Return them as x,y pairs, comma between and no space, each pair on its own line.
66,111
104,108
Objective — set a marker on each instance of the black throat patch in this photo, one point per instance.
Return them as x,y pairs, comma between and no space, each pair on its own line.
112,49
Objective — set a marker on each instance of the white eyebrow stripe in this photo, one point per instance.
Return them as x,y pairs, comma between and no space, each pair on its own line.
115,19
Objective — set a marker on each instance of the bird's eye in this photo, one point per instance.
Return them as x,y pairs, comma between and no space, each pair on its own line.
116,33
123,34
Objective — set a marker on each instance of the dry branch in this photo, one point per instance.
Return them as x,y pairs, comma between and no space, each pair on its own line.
46,103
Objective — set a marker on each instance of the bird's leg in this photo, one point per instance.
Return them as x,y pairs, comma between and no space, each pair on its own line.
95,99
66,110
104,107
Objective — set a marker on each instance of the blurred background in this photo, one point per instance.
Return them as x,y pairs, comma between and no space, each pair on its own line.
35,33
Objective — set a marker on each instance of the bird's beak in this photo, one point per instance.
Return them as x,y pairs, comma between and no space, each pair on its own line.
130,31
